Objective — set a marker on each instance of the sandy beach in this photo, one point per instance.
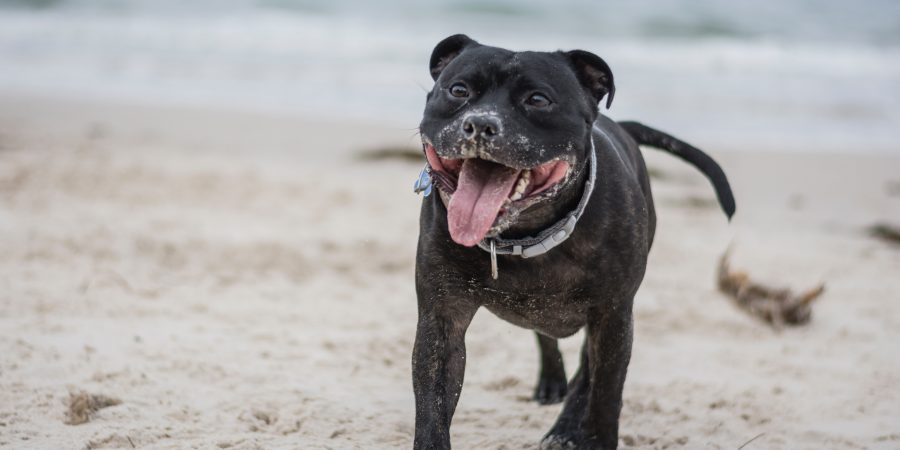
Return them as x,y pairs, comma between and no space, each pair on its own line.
244,281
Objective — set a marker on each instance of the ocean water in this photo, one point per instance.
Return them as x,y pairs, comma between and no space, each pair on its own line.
791,75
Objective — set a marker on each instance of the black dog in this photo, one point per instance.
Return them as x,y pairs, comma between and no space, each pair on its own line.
544,216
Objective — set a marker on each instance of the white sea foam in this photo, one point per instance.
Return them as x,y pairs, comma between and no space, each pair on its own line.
735,74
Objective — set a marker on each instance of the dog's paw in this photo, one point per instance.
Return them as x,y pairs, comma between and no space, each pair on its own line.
559,442
550,390
566,441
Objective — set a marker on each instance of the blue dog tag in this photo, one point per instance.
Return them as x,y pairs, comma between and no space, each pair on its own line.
423,183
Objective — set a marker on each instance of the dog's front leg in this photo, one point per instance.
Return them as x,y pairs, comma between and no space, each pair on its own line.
609,337
439,363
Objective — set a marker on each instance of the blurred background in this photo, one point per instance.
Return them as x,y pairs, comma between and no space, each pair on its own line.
208,230
801,75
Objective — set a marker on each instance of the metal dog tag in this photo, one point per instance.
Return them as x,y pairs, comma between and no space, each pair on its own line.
494,272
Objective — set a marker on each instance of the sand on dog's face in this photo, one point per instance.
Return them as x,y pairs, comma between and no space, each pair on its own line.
241,299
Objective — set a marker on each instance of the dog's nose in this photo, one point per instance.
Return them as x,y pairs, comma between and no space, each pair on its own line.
485,126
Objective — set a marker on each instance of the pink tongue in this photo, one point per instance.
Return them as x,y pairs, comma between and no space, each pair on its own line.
483,187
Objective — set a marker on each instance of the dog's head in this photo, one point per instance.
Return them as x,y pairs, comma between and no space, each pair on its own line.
504,131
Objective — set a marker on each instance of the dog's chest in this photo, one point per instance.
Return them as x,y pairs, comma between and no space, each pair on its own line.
552,310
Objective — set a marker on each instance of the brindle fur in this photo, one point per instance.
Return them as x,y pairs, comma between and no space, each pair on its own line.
589,281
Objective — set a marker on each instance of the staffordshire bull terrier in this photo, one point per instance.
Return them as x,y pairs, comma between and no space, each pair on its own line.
544,216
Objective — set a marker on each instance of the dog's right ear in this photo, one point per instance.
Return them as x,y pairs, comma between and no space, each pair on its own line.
446,50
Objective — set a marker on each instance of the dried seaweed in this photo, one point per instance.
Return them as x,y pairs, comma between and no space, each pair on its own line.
776,306
885,232
82,405
405,154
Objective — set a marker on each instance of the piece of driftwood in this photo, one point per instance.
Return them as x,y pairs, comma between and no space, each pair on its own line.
776,306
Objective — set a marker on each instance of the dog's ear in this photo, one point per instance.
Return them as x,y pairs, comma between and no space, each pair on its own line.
594,74
446,50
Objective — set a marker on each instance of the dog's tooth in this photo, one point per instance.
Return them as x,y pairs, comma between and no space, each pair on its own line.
523,182
521,185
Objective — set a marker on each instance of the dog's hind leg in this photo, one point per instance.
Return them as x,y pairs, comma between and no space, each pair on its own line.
609,338
551,385
590,416
566,432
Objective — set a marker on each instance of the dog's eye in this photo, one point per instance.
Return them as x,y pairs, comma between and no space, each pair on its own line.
459,90
538,100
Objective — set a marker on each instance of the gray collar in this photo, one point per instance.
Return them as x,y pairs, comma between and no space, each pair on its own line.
528,247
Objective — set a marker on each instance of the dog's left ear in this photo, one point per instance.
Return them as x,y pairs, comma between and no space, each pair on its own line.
446,51
594,74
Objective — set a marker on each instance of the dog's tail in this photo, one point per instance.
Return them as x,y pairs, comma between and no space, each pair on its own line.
645,135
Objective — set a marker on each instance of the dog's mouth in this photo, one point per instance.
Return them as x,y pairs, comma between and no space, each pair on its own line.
482,192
